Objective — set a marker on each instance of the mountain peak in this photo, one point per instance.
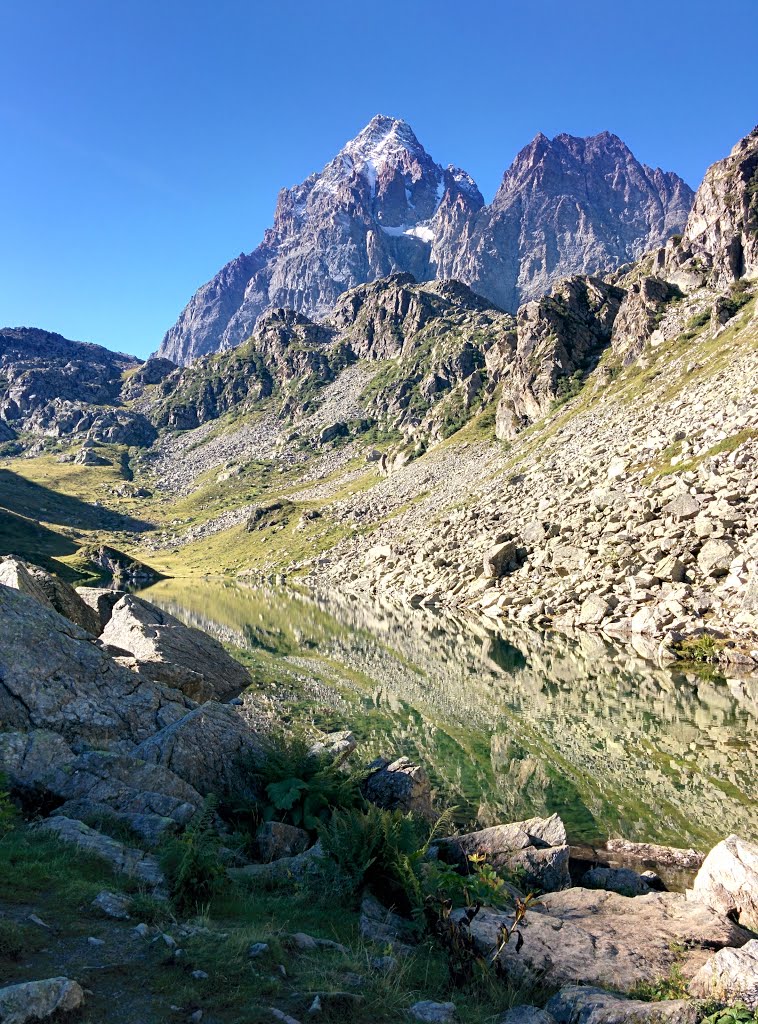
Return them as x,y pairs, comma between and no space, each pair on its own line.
382,137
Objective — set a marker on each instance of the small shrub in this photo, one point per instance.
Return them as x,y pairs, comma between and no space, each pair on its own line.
738,1014
567,388
673,986
191,861
702,650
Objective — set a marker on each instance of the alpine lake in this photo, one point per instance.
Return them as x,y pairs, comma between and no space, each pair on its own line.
508,725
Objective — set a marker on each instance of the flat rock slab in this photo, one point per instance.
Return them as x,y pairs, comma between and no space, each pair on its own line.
592,937
36,1000
125,859
577,1005
169,652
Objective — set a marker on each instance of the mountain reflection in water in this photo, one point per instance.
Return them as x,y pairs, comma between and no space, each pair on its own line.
509,724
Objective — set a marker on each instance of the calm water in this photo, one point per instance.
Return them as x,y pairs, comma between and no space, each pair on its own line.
508,725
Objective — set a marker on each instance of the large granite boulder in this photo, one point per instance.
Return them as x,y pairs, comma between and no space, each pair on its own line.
171,653
37,1000
730,976
728,881
204,747
53,677
587,1005
125,860
591,937
536,850
149,798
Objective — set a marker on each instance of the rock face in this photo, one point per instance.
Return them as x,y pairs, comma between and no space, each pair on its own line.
382,205
583,936
49,590
203,747
720,240
27,758
560,337
728,880
53,677
731,976
536,849
36,1000
55,387
168,652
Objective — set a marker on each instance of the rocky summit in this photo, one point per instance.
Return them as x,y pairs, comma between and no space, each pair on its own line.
382,206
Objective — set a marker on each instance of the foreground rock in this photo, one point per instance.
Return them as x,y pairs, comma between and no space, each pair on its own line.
101,601
173,654
728,881
53,677
149,798
36,1000
124,859
577,1005
731,976
27,759
526,1015
600,938
536,850
204,747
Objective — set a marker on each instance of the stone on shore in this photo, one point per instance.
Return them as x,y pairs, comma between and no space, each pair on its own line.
399,785
728,881
730,976
36,1000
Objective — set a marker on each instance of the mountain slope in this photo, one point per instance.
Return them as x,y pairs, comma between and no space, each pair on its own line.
382,205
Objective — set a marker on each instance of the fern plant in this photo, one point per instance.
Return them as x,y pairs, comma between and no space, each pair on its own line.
286,781
191,861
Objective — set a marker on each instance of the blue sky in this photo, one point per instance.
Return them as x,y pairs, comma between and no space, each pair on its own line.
144,143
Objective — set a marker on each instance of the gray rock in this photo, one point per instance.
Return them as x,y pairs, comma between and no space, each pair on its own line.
27,758
113,905
655,855
682,507
587,1005
170,653
101,601
594,609
498,558
429,1012
336,744
385,928
537,848
49,590
730,976
277,839
36,1000
589,937
526,1015
285,869
715,556
124,859
52,677
621,880
399,785
728,880
203,747
148,797
257,950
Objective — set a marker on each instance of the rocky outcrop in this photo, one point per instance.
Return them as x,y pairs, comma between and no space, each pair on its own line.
37,1000
577,1004
728,880
560,339
149,798
720,240
49,590
53,677
101,601
169,652
533,851
382,205
123,568
28,758
583,936
204,747
639,315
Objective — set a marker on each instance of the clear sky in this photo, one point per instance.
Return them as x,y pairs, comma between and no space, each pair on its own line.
144,141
